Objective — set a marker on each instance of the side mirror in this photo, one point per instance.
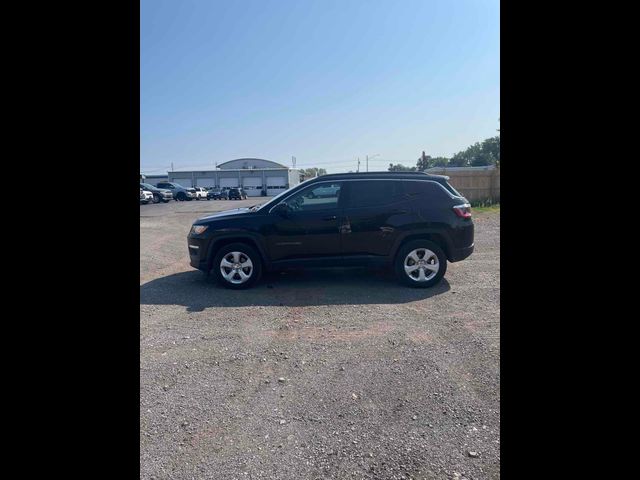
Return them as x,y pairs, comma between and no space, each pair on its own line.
281,209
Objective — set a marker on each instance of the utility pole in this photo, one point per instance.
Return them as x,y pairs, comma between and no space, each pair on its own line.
372,157
172,166
358,170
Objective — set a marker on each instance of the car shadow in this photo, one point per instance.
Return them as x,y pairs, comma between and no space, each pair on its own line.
338,286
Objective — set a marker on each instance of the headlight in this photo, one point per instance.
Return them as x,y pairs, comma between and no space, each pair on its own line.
198,229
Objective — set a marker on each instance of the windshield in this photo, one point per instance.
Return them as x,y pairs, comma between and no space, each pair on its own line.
271,202
147,186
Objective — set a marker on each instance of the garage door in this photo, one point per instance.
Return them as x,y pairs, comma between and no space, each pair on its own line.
229,182
253,186
206,182
185,182
275,185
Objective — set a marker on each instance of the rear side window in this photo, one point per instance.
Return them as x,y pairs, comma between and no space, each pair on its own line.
374,193
424,190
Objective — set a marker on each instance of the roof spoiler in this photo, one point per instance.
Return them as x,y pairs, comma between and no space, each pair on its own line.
443,177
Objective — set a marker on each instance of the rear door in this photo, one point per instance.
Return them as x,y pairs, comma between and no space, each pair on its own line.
374,213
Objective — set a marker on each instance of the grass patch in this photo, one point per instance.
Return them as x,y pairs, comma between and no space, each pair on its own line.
485,206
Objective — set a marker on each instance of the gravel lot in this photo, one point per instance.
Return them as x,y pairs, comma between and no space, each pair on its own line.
340,374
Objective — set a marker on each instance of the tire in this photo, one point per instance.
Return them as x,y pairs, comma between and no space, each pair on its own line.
420,276
181,197
243,252
156,199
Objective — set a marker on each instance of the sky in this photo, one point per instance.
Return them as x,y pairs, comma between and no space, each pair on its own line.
325,81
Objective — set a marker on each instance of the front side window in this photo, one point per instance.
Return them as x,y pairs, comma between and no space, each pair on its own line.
319,197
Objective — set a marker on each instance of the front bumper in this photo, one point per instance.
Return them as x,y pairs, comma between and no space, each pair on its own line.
198,247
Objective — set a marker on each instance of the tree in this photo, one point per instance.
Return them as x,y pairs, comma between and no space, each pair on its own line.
400,168
478,154
424,162
313,172
439,162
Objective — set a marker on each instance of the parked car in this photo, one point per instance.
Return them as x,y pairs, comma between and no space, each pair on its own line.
411,221
145,196
159,194
218,194
179,192
201,192
236,194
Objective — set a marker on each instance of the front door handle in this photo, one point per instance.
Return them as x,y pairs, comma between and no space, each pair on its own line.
332,217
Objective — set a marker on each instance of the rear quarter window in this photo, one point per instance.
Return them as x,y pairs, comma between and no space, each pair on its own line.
425,191
451,190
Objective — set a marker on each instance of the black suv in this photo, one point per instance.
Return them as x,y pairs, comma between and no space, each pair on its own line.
217,194
236,194
414,222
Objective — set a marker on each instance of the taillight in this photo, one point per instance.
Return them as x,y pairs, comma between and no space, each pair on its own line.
463,211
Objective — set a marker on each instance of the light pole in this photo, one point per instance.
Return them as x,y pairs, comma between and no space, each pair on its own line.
372,157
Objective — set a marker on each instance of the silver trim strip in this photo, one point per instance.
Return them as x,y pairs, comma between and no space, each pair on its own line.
194,246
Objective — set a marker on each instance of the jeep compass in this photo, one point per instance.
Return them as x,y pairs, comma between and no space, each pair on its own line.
412,222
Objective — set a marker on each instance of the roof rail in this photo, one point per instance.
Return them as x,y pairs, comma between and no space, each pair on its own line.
383,172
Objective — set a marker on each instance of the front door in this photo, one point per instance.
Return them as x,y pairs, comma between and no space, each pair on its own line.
310,228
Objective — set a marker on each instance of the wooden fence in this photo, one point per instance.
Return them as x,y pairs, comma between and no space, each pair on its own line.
475,183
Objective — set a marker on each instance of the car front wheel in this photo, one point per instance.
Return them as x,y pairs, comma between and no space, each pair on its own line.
420,264
237,266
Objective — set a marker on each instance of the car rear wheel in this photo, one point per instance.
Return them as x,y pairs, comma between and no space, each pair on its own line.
420,264
156,199
237,266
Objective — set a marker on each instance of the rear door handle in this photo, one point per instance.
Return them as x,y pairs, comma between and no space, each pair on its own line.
333,217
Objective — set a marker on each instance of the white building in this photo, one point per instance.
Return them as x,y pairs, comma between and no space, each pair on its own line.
254,175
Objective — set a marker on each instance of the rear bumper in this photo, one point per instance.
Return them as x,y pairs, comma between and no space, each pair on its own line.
458,254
